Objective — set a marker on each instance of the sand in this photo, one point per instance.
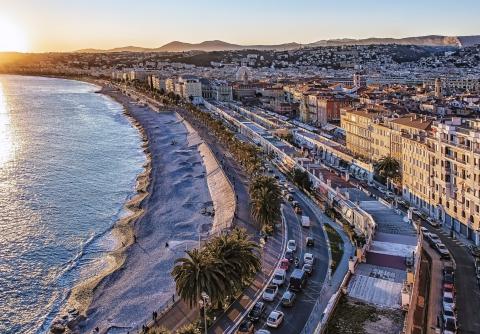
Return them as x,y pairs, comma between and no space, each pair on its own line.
169,210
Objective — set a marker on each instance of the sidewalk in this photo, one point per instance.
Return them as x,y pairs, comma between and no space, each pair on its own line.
435,295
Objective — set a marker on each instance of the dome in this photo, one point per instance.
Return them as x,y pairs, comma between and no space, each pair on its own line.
243,74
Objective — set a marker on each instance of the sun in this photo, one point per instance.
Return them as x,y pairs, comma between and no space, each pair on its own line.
12,37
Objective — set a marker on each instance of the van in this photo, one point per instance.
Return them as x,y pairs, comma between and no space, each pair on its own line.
305,221
298,279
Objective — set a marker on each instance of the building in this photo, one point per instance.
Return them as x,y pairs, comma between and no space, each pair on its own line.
221,90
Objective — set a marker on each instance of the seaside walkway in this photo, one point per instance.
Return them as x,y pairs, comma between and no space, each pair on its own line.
178,313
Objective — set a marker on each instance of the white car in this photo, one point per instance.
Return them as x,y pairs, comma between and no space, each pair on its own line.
308,258
275,319
262,331
292,245
270,293
448,301
279,276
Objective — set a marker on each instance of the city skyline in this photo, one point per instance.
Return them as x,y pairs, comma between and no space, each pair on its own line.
88,24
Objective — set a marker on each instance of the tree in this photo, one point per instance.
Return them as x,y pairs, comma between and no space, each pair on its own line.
197,273
189,329
388,168
266,198
301,179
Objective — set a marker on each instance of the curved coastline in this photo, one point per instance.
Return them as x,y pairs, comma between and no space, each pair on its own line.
80,297
86,300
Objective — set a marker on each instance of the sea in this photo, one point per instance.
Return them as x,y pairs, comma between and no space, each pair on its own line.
69,159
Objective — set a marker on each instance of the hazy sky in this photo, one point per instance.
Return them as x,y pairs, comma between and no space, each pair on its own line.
64,25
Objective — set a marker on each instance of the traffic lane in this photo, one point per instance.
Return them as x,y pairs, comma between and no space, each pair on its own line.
467,289
295,233
296,316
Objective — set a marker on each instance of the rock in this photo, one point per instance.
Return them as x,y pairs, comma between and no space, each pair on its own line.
75,322
57,328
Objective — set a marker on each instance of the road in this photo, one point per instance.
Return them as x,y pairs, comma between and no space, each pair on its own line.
467,290
296,316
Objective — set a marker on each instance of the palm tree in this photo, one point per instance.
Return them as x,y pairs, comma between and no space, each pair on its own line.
188,329
197,273
265,196
388,168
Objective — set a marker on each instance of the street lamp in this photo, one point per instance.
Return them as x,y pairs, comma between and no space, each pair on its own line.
204,301
262,246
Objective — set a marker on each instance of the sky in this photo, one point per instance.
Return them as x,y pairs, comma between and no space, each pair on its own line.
67,25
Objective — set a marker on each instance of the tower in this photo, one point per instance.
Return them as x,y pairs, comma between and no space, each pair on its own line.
438,88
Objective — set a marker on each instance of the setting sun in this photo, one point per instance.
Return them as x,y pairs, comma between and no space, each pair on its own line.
13,37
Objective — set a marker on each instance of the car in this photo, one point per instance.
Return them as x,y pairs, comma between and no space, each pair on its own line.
284,264
442,250
308,258
424,230
275,319
289,255
450,326
279,276
291,190
308,268
448,301
289,197
288,298
292,245
270,293
449,279
432,222
448,270
256,312
309,242
246,327
295,204
305,221
298,210
448,313
433,239
449,288
474,250
263,331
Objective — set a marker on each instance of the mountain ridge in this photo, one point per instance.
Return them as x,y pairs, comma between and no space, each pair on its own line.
218,45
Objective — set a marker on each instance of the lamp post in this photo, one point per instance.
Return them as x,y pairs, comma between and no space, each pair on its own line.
204,301
262,246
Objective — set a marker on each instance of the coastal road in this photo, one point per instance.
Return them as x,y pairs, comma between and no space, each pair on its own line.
296,316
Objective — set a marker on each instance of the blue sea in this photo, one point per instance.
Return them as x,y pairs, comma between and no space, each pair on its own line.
68,162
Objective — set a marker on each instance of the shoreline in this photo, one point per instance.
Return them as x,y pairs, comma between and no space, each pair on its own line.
80,296
88,298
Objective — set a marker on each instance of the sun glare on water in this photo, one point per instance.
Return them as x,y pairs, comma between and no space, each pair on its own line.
12,37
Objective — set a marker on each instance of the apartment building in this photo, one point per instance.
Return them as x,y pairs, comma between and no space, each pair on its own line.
456,175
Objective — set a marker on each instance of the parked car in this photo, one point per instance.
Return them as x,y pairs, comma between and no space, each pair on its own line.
449,279
424,230
308,268
448,301
295,204
289,197
284,264
434,238
308,258
288,298
309,241
474,250
298,210
432,222
447,313
442,250
246,327
450,326
256,312
279,276
275,319
292,245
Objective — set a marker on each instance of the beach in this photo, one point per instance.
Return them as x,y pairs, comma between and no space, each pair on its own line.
168,217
